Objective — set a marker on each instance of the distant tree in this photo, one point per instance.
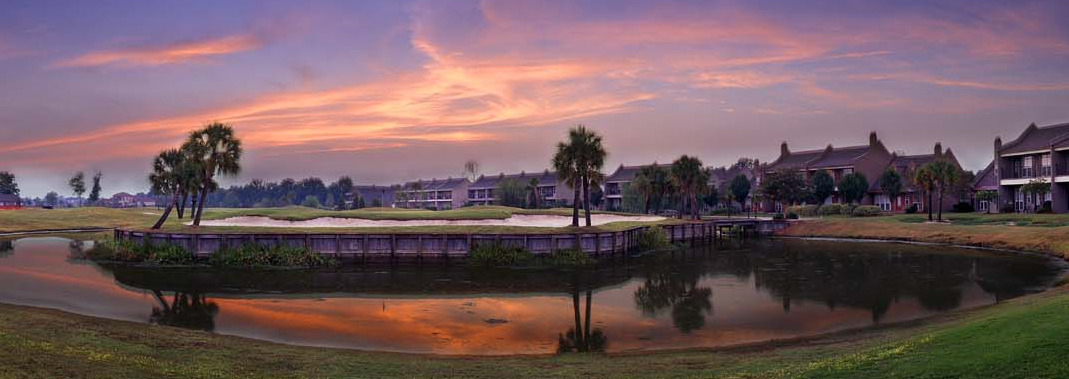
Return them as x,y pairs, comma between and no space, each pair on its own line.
891,183
597,196
853,187
691,180
945,175
511,193
287,199
52,198
784,186
94,193
823,186
631,201
471,170
989,196
534,199
961,187
740,189
330,201
747,163
344,187
642,186
310,201
8,186
77,184
925,178
374,203
1036,187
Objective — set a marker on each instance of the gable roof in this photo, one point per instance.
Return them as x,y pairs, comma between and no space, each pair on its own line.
626,173
985,180
1037,138
448,184
841,156
545,179
827,157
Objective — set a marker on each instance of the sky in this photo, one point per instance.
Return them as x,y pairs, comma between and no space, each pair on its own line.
387,91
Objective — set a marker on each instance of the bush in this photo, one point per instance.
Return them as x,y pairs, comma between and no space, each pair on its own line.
571,258
792,216
912,208
128,251
848,209
1046,208
777,216
866,211
497,254
1008,208
653,238
963,207
831,209
255,255
802,210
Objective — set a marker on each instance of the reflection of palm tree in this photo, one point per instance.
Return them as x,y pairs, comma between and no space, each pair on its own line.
186,310
580,338
688,302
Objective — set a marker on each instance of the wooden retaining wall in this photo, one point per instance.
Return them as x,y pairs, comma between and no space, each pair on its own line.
419,245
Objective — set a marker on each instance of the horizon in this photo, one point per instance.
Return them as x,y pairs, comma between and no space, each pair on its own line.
387,92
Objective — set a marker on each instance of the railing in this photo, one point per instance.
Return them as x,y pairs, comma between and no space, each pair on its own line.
445,245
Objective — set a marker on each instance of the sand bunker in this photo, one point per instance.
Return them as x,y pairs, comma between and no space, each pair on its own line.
339,222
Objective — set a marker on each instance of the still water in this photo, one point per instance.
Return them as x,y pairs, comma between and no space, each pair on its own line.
733,293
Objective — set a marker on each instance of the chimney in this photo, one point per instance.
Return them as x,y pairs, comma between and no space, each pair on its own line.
873,140
783,150
998,144
938,149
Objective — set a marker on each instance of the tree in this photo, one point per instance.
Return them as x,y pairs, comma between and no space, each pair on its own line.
8,186
589,161
344,187
643,187
77,184
740,189
891,183
329,203
471,170
310,201
1037,188
533,197
166,179
218,152
853,187
511,193
989,196
52,198
945,174
823,186
566,165
94,194
926,180
784,186
690,179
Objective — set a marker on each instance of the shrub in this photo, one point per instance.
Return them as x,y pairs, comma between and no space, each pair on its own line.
963,207
571,258
848,209
802,210
255,255
777,216
792,216
1046,208
1008,208
497,254
912,208
653,238
128,251
866,211
831,209
169,254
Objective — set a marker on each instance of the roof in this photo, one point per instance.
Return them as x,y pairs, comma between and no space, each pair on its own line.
626,173
372,192
438,184
985,179
795,159
723,175
1037,138
121,194
545,179
9,198
839,156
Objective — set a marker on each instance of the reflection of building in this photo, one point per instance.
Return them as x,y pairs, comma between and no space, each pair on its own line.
437,194
1038,154
552,192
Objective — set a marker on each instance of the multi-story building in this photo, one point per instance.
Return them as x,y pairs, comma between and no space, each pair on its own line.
720,178
373,195
436,194
1038,154
615,183
551,190
870,160
911,193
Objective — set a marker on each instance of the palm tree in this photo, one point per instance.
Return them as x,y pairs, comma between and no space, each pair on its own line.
645,187
217,151
533,196
945,175
166,179
691,180
925,178
564,163
590,158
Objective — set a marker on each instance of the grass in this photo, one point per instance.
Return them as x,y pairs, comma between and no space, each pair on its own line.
142,218
1043,233
1022,338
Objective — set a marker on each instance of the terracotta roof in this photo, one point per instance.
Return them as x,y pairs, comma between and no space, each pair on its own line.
545,179
626,173
1037,138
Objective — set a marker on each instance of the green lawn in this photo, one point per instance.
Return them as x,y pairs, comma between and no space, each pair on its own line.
1022,338
142,218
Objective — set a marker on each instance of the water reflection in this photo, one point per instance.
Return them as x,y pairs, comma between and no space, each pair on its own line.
761,290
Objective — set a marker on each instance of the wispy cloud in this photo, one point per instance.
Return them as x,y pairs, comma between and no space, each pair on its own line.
171,53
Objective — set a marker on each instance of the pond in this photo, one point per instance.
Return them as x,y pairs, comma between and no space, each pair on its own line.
732,293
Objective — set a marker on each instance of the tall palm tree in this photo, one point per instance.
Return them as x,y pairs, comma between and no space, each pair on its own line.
218,152
925,178
166,179
945,175
690,179
533,196
645,187
564,163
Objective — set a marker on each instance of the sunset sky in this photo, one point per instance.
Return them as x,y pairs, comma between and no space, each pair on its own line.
393,90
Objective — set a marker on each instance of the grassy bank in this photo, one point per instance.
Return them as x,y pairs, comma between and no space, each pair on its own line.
142,218
1022,338
1047,234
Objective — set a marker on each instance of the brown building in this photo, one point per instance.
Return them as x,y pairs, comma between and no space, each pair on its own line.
552,191
1038,154
436,194
614,183
906,166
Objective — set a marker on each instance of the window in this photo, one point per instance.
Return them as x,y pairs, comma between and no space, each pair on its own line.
1018,202
982,205
1044,165
1027,169
884,202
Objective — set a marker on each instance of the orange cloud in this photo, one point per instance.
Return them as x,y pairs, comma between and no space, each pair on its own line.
164,55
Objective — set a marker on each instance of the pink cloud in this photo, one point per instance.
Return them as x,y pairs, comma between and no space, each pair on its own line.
172,53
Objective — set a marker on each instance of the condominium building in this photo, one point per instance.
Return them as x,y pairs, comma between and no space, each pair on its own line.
436,194
1039,154
551,191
